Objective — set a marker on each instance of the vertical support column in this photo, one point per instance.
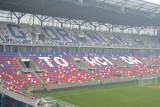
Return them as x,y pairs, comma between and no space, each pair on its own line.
25,49
53,22
4,48
11,16
112,28
122,29
109,29
11,48
157,31
31,48
33,19
18,49
131,30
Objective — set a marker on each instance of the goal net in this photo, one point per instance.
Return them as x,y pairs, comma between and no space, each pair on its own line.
148,81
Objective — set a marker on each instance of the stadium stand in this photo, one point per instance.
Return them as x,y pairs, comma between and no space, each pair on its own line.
59,68
25,34
12,33
46,71
45,57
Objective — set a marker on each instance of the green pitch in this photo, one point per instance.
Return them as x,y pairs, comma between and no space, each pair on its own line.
126,95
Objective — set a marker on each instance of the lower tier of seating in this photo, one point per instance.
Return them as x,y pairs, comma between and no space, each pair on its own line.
62,68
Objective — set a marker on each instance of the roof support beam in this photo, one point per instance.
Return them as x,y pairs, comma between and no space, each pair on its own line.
122,28
42,18
154,9
62,21
18,15
141,5
138,29
94,24
122,3
79,23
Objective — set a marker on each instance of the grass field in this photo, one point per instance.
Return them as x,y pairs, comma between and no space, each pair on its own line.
126,95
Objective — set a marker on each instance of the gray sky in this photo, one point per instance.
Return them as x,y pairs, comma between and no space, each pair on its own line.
154,1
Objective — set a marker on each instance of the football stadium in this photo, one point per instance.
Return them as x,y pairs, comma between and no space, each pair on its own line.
79,53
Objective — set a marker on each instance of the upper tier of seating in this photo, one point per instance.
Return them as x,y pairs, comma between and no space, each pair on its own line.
25,34
62,68
12,33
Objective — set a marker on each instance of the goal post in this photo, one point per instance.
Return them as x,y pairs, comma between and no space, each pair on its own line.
148,81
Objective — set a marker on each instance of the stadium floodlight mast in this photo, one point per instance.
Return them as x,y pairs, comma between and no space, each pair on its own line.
148,81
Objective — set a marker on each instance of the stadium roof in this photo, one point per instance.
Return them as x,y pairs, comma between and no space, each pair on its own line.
135,4
121,12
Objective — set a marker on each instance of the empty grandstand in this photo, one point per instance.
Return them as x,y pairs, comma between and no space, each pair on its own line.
52,45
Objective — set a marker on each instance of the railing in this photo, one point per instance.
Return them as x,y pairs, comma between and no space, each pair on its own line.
22,97
93,82
81,64
33,65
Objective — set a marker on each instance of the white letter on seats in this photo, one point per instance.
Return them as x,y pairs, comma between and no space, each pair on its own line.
90,60
130,60
99,60
46,59
126,60
108,61
61,61
134,60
